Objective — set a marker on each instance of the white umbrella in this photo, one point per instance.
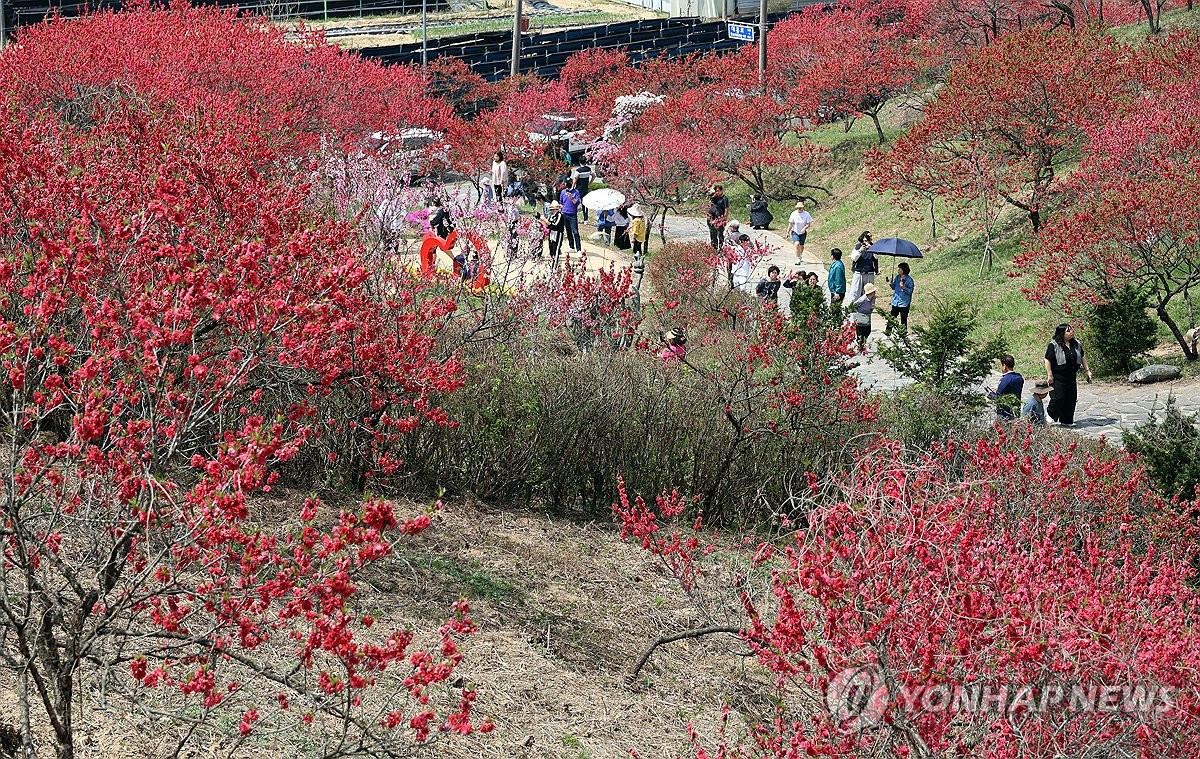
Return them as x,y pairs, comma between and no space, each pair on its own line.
603,200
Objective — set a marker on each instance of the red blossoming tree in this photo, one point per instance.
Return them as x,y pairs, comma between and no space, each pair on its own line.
1004,599
849,61
1009,118
1129,216
181,327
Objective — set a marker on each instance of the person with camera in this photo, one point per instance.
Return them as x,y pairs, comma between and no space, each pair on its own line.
864,265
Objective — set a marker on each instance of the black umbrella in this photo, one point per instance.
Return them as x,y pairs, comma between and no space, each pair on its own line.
894,246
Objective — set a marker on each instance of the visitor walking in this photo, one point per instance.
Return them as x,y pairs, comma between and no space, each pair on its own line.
864,265
556,229
499,175
542,232
836,281
621,227
1033,410
583,175
1064,359
570,199
798,225
1007,393
740,265
902,292
760,213
718,215
639,232
862,307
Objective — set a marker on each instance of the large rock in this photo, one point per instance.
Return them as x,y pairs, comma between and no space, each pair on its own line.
1154,373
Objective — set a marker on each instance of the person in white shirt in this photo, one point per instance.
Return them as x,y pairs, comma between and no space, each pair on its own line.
798,225
499,175
739,257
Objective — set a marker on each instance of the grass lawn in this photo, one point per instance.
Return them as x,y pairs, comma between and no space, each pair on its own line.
951,267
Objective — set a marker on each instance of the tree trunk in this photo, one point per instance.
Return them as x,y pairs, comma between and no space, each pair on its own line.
878,127
1035,219
1165,317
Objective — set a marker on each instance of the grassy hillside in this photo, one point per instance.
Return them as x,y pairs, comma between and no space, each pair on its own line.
951,265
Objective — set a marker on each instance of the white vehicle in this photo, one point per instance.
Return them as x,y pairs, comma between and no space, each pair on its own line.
419,152
561,128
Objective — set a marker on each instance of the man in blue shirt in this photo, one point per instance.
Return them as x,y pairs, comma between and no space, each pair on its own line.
1007,394
837,280
570,199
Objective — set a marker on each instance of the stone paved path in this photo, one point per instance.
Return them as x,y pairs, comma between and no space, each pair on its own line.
1105,408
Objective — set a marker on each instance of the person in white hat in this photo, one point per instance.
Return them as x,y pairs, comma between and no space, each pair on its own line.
639,231
556,226
798,225
861,310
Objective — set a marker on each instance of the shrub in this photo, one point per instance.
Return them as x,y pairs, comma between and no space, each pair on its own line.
1170,448
807,302
1120,330
547,425
919,416
946,353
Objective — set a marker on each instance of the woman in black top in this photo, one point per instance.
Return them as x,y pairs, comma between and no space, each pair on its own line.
760,213
1064,359
439,219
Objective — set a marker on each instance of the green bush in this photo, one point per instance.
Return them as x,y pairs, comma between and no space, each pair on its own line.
1119,331
945,354
1171,450
807,302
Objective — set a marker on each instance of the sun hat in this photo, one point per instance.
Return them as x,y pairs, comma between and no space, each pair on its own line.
1042,387
869,289
799,205
735,224
555,204
635,210
674,334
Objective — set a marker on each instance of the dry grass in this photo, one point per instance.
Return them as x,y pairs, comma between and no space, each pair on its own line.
564,609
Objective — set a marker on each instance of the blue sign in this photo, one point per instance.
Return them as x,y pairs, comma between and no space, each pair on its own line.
744,32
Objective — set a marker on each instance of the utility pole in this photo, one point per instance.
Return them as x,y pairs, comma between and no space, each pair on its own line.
424,34
516,59
3,25
762,45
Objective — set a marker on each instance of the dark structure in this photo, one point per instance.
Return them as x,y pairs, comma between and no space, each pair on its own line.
489,53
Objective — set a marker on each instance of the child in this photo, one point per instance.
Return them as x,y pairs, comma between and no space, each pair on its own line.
605,223
1033,410
639,232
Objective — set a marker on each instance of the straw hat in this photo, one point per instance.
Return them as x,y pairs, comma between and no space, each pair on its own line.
635,210
555,204
674,334
799,205
869,289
